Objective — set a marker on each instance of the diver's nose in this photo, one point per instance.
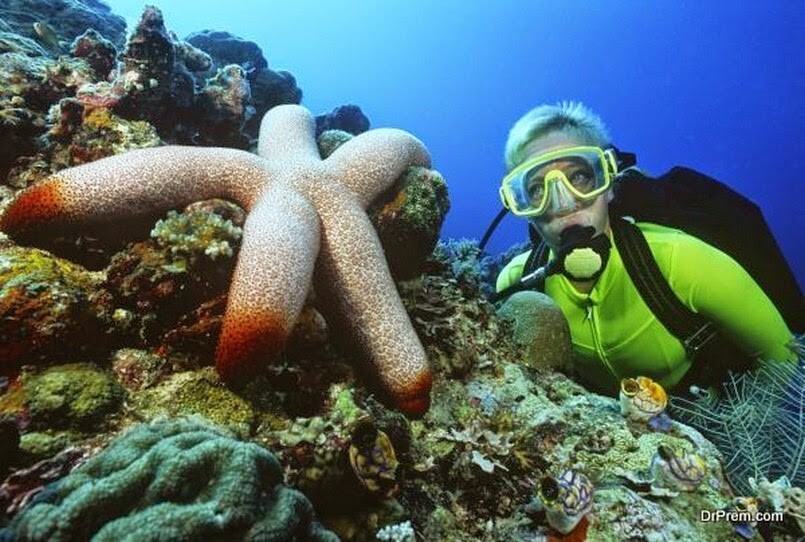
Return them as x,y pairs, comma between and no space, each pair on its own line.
560,200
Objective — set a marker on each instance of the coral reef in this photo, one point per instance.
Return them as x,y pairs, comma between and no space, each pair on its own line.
96,51
268,88
154,284
549,424
158,86
399,532
76,396
172,480
28,88
470,468
139,369
141,331
190,235
458,327
227,101
179,89
83,134
409,223
200,392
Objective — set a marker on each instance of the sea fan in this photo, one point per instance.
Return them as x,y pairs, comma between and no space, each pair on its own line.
757,421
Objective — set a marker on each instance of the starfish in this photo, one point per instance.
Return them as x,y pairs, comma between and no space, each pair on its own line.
305,215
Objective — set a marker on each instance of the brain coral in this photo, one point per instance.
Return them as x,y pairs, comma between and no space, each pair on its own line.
177,479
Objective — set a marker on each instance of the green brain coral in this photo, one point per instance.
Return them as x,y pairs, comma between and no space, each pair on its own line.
180,479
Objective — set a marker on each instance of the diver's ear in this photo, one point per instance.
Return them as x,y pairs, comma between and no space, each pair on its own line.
609,195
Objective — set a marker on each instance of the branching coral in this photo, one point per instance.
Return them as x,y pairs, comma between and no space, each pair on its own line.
189,234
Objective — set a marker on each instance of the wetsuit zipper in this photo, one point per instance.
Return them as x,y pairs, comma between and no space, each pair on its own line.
596,339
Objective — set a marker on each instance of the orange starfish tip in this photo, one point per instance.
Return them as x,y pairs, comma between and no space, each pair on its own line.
37,205
415,402
246,344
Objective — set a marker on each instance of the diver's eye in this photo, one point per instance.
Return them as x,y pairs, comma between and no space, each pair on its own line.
536,187
582,180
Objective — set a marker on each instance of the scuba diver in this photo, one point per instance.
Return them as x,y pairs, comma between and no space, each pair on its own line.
641,298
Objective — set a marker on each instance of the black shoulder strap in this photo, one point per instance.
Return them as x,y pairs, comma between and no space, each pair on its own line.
529,280
538,257
693,330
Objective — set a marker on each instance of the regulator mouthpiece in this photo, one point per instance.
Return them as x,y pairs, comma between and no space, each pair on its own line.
583,255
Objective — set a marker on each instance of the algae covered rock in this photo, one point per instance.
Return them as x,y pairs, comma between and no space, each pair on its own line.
73,396
409,218
200,392
182,479
541,328
60,406
48,308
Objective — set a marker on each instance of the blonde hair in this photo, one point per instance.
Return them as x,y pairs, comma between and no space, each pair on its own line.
573,119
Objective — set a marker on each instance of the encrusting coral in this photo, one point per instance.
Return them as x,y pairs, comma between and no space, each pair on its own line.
296,202
180,479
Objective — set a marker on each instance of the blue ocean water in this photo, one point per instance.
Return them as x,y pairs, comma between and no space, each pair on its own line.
716,86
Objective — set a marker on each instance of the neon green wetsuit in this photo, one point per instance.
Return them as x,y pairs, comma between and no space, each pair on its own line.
615,335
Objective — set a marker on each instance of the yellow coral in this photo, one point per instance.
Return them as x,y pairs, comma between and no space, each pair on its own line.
99,118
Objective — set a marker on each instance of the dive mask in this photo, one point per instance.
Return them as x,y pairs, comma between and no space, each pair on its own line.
583,172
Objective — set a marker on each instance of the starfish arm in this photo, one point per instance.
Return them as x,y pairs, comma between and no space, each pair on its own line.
135,183
288,133
270,283
370,163
354,279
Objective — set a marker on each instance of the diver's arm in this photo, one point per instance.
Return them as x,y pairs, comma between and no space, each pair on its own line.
512,272
711,283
